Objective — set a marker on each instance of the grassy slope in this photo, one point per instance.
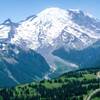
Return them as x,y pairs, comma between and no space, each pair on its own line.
70,86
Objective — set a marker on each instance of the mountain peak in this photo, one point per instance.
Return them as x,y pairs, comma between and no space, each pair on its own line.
53,11
7,22
53,23
75,10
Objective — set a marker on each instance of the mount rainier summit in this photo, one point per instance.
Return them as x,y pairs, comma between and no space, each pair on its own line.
47,45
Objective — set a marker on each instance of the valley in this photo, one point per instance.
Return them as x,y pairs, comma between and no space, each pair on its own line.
74,85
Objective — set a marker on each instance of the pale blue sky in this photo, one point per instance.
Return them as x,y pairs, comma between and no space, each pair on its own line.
18,10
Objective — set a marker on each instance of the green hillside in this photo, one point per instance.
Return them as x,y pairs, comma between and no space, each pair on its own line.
75,85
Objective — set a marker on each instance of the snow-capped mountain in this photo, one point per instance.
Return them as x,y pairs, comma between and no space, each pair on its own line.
67,39
53,23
